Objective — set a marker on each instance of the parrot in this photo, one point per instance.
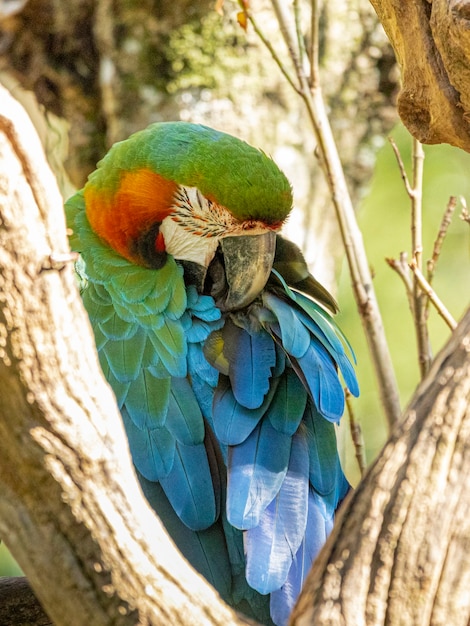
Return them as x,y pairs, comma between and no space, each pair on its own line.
221,348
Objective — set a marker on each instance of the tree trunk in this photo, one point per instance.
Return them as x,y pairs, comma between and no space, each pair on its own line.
400,551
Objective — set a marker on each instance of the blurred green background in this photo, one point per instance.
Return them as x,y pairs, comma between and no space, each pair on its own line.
384,216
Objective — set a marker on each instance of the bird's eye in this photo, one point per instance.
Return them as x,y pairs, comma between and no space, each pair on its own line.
149,246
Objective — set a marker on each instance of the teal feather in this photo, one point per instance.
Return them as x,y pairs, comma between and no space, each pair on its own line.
125,357
97,312
188,487
98,294
206,550
125,313
137,285
153,451
147,400
115,328
324,320
172,355
119,388
184,418
100,338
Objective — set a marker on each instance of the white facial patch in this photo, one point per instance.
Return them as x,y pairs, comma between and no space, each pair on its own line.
185,245
194,228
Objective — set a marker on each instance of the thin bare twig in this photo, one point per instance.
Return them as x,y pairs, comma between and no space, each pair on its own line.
420,299
313,51
402,268
291,38
431,294
356,434
276,58
298,30
443,228
417,203
465,215
401,167
419,303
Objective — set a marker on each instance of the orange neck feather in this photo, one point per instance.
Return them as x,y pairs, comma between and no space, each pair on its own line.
142,198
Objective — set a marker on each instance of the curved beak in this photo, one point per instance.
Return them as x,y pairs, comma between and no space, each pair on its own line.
248,260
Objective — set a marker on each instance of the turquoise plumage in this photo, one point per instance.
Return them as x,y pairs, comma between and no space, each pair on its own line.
225,362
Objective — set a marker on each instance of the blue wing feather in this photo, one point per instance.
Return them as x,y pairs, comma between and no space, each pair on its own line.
326,475
295,337
256,471
323,382
270,546
233,423
189,488
251,357
284,598
288,405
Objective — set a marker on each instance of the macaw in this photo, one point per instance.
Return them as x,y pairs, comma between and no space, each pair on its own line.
222,352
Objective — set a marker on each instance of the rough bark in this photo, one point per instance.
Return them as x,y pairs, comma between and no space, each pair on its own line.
18,604
70,508
432,45
400,552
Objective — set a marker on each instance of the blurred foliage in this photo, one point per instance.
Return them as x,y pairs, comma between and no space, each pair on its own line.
8,566
197,53
384,218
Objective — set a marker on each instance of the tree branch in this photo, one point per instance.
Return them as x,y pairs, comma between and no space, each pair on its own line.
399,552
432,45
71,510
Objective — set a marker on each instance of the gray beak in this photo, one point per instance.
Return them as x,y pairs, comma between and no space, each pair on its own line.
248,261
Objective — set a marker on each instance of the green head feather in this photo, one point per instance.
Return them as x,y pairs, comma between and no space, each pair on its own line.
225,169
